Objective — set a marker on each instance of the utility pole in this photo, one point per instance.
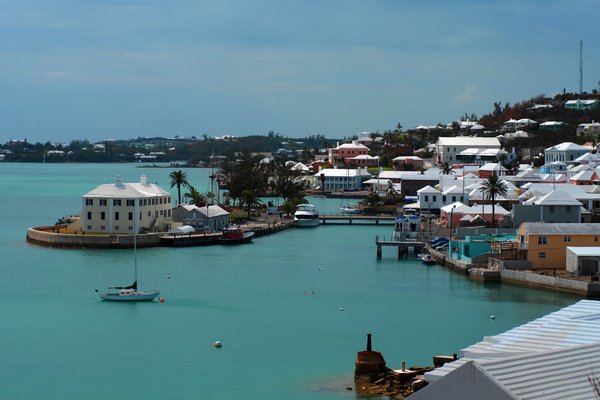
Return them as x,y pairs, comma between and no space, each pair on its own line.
580,66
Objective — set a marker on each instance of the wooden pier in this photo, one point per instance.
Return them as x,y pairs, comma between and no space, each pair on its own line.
358,218
403,246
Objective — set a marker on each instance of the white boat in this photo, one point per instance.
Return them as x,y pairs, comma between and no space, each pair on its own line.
306,215
351,208
131,292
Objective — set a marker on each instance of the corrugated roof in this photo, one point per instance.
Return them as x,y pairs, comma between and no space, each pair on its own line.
572,326
561,228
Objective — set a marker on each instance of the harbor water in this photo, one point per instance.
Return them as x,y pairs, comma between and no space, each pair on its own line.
291,309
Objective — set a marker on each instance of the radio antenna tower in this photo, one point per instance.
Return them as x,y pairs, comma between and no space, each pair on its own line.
580,66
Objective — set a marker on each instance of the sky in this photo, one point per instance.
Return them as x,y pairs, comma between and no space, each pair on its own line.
106,69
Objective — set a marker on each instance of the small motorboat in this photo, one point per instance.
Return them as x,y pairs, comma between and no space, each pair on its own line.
236,235
427,259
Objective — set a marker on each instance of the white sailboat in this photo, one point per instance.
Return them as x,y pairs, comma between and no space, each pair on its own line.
131,292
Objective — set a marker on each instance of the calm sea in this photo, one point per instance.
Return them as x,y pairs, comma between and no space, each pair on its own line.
275,305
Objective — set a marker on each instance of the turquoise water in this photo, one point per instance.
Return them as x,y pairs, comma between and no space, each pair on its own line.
279,340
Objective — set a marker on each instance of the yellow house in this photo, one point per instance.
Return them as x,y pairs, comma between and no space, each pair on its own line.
544,244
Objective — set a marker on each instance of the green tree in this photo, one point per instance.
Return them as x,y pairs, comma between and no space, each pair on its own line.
179,179
195,196
373,199
244,173
250,200
287,182
492,187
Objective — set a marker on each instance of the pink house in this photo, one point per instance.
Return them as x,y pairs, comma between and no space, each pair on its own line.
341,153
458,211
417,162
492,169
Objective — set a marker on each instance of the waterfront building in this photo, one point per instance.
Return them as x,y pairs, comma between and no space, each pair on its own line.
453,213
447,148
556,356
126,208
583,260
544,244
206,218
430,198
336,179
555,206
476,249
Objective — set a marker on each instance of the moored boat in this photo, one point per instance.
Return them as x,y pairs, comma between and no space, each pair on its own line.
306,215
427,259
235,235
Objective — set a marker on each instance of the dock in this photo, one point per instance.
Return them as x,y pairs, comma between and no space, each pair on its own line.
358,218
403,246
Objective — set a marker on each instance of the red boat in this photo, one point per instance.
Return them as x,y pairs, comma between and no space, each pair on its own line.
235,235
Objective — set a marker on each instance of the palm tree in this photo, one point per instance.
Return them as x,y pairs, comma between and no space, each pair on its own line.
179,179
195,196
446,169
492,187
249,200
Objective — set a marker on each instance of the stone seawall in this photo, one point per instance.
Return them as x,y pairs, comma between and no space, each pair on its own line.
591,289
45,236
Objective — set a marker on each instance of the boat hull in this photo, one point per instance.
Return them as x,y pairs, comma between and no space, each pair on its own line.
306,222
246,238
138,296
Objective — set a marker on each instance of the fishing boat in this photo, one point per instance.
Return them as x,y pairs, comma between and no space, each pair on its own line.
236,235
306,215
131,292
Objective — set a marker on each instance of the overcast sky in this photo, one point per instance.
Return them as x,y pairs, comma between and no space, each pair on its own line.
121,69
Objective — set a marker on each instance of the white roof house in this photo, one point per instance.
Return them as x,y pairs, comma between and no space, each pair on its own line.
448,148
567,151
556,356
119,189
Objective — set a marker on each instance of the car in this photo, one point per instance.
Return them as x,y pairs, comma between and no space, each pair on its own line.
435,239
442,247
438,241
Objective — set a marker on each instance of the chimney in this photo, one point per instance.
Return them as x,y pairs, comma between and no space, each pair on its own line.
118,181
143,180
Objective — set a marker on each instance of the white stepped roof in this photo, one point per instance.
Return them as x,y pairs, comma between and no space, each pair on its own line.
557,198
567,146
472,141
127,191
575,325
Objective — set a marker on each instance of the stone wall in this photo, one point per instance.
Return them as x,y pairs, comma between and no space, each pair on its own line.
45,236
551,282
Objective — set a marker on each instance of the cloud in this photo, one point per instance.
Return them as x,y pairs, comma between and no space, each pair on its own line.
468,95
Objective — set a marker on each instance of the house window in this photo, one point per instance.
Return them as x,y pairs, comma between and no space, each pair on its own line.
595,238
89,202
568,209
117,202
117,228
542,240
434,198
102,215
149,213
551,209
116,216
102,202
444,199
89,216
102,228
542,254
130,228
426,198
567,238
89,227
130,203
453,199
130,216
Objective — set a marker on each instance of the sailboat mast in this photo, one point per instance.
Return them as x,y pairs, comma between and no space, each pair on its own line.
135,258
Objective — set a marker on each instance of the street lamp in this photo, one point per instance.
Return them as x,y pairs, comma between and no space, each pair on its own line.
451,215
